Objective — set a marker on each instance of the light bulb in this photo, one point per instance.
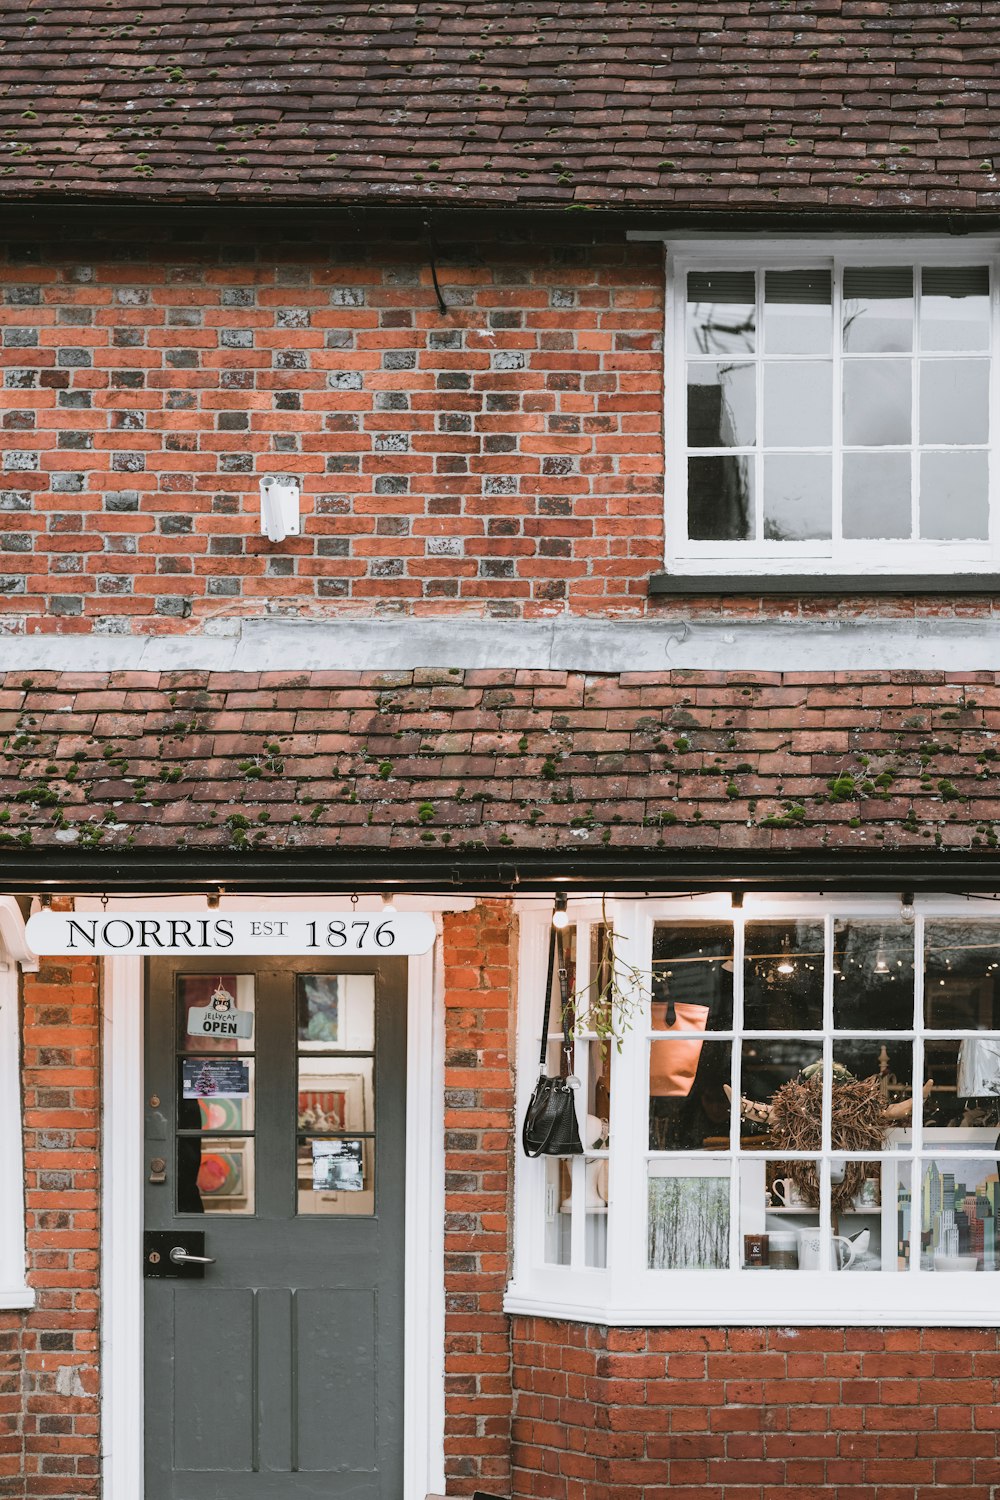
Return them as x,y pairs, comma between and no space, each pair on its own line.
560,916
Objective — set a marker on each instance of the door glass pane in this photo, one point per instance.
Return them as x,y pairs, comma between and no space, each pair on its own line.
722,405
336,1012
873,976
212,1012
955,307
878,309
336,1175
336,1094
798,490
877,500
954,401
954,496
215,1093
877,402
688,1105
783,976
720,499
721,312
797,312
215,1176
688,1216
962,975
798,404
959,1206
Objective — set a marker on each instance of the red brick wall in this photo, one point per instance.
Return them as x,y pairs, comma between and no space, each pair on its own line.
49,1428
503,457
479,974
749,1413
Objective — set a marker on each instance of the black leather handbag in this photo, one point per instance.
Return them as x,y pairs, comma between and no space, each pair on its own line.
550,1126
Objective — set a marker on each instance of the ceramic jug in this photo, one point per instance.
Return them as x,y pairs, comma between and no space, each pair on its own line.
842,1254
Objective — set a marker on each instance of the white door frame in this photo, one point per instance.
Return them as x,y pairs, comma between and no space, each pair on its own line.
122,1199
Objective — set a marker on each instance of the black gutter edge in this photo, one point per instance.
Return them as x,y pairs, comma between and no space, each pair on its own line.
486,872
849,584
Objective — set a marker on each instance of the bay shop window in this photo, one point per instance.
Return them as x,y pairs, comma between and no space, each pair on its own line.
798,1119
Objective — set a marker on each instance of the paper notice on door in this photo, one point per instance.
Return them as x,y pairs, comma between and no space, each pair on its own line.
337,1166
215,1078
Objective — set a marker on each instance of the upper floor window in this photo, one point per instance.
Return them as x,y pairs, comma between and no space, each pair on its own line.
836,411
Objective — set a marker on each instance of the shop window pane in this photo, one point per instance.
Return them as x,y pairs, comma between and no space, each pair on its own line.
336,1094
873,976
212,1011
768,1065
954,401
954,496
877,402
215,1093
335,1175
597,1194
721,405
798,497
720,499
872,1090
877,500
688,1216
783,976
693,969
959,1205
870,1208
558,1211
688,1107
955,307
966,1078
215,1176
721,312
773,1208
962,975
336,1012
798,404
878,309
798,312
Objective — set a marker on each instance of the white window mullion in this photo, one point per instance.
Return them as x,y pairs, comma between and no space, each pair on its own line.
838,407
915,465
628,1230
917,1119
736,1084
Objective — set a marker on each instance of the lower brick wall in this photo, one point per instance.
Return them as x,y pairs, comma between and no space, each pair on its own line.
49,1389
750,1413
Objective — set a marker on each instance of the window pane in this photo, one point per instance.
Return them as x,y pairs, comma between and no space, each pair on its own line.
798,497
720,499
873,976
798,404
870,1215
688,1105
693,969
558,1211
959,1204
954,496
878,309
768,1065
210,1005
335,1176
876,496
688,1216
955,307
215,1176
876,402
783,976
721,312
596,1195
336,1093
336,1012
798,309
215,1093
862,1120
966,1092
954,401
722,406
962,976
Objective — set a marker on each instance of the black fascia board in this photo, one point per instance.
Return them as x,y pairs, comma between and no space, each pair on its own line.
626,871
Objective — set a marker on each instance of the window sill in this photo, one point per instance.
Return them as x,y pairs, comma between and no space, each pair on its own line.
14,1298
853,584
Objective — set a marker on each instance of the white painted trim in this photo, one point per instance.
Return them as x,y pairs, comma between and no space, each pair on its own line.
121,1275
674,640
14,1290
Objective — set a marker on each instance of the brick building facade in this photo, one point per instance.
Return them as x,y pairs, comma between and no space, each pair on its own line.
481,676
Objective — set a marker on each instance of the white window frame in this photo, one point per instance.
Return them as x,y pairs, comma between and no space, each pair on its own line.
627,1293
769,559
14,1289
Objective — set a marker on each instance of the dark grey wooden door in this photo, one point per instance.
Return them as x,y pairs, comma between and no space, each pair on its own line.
280,1372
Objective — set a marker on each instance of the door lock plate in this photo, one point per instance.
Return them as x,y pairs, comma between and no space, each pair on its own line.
156,1247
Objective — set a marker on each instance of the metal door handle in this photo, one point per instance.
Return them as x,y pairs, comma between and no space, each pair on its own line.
180,1257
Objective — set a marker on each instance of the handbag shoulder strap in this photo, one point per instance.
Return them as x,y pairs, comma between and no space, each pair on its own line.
556,952
548,999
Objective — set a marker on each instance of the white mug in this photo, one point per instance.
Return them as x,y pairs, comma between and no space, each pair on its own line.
787,1194
810,1244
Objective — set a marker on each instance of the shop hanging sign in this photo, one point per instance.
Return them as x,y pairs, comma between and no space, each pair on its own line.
379,934
220,1017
